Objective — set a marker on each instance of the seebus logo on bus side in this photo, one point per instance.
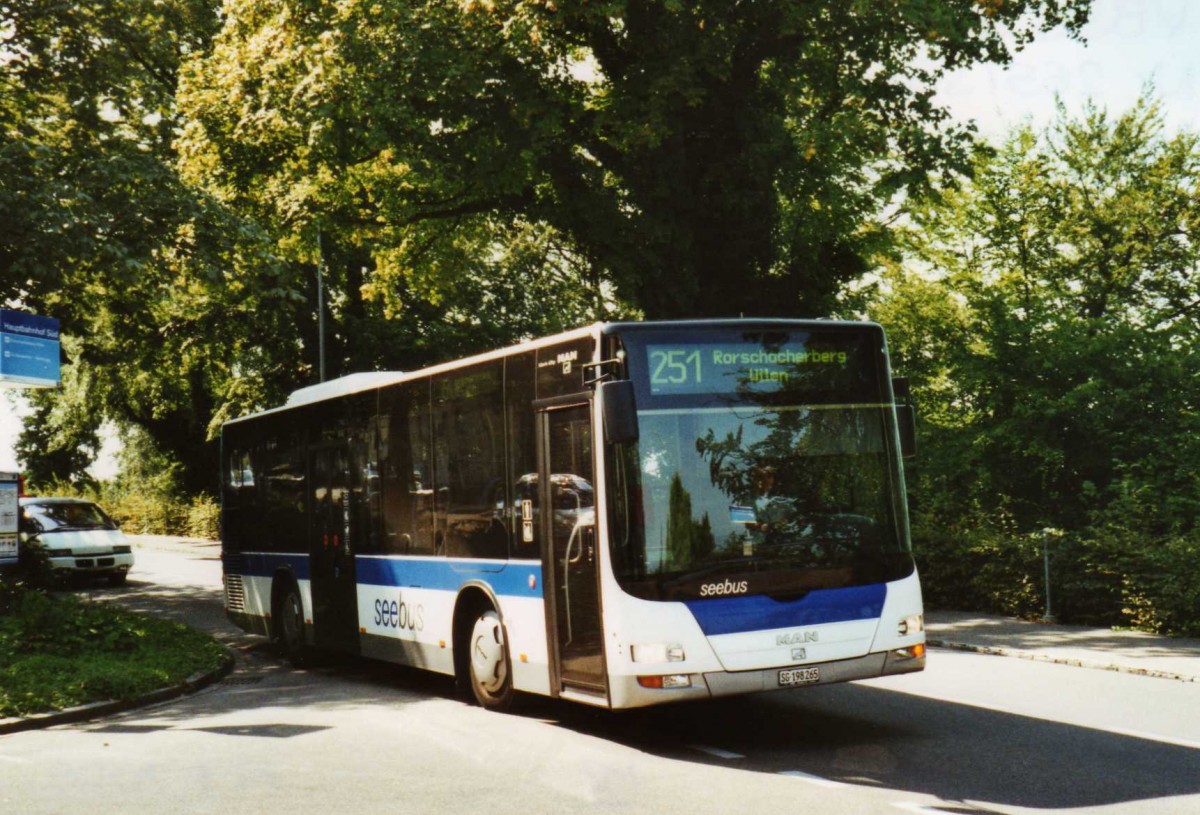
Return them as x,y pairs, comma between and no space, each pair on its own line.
399,614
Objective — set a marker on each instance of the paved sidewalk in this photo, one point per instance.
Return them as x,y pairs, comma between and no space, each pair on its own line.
174,543
1126,651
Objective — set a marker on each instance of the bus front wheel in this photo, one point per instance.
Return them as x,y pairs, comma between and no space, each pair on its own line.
491,677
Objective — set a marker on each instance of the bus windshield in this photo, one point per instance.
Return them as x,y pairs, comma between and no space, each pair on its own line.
766,464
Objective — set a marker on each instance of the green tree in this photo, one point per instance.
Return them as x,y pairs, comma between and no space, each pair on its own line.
93,220
1048,313
283,126
697,159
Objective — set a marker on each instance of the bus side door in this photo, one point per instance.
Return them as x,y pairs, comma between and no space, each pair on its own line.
331,549
566,478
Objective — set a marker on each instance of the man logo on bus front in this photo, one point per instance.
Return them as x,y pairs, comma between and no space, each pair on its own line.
797,637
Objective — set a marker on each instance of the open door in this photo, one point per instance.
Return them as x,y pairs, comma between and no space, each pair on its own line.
566,478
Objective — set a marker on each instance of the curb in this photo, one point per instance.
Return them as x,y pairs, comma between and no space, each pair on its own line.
96,710
1075,663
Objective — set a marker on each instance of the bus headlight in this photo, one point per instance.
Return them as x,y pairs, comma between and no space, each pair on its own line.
911,625
656,652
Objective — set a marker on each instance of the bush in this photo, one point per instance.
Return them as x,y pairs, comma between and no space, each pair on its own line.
1160,582
203,518
1107,577
978,564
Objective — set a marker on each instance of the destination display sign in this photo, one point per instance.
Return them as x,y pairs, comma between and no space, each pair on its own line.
29,350
696,368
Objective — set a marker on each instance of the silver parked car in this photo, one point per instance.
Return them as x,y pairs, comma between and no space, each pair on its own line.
77,536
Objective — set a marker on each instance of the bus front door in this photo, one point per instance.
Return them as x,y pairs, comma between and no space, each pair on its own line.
566,478
331,555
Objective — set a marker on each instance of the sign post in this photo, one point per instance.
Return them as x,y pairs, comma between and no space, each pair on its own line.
9,511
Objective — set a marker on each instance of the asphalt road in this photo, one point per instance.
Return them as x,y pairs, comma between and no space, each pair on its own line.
973,734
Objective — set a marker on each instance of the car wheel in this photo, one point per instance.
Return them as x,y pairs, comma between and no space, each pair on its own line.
118,578
490,667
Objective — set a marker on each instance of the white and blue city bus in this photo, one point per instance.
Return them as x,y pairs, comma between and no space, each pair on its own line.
621,515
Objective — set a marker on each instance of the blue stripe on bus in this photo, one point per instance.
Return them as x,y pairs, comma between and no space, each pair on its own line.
265,564
510,579
505,578
734,615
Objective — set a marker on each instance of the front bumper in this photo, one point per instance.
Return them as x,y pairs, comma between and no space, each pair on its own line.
626,692
103,563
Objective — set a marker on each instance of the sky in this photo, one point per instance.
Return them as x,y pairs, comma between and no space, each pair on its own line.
1129,43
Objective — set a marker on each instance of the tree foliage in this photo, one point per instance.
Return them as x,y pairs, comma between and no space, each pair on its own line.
1054,353
90,212
705,159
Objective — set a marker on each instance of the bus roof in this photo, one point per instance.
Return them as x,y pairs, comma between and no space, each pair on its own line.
373,380
351,383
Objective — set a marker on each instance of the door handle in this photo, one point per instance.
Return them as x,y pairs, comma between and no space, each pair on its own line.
576,542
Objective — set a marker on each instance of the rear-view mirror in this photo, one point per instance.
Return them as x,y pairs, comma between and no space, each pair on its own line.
619,408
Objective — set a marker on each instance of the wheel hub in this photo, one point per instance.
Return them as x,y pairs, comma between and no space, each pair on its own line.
487,653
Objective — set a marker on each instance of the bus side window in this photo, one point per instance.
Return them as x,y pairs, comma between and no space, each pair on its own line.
522,455
361,434
470,475
240,496
282,514
407,499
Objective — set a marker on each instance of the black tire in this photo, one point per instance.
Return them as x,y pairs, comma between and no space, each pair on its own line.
117,578
288,627
488,665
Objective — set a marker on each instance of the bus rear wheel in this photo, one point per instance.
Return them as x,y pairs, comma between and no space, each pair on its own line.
289,627
489,664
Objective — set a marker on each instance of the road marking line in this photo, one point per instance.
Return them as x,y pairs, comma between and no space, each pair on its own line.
828,783
715,751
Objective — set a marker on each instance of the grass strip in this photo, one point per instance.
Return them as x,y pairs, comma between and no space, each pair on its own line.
58,652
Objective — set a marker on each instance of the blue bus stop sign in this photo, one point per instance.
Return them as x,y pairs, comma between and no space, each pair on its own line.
29,350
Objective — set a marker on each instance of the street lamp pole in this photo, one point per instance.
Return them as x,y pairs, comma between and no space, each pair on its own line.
320,309
1049,617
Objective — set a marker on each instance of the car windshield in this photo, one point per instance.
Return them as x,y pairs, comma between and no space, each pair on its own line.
61,517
